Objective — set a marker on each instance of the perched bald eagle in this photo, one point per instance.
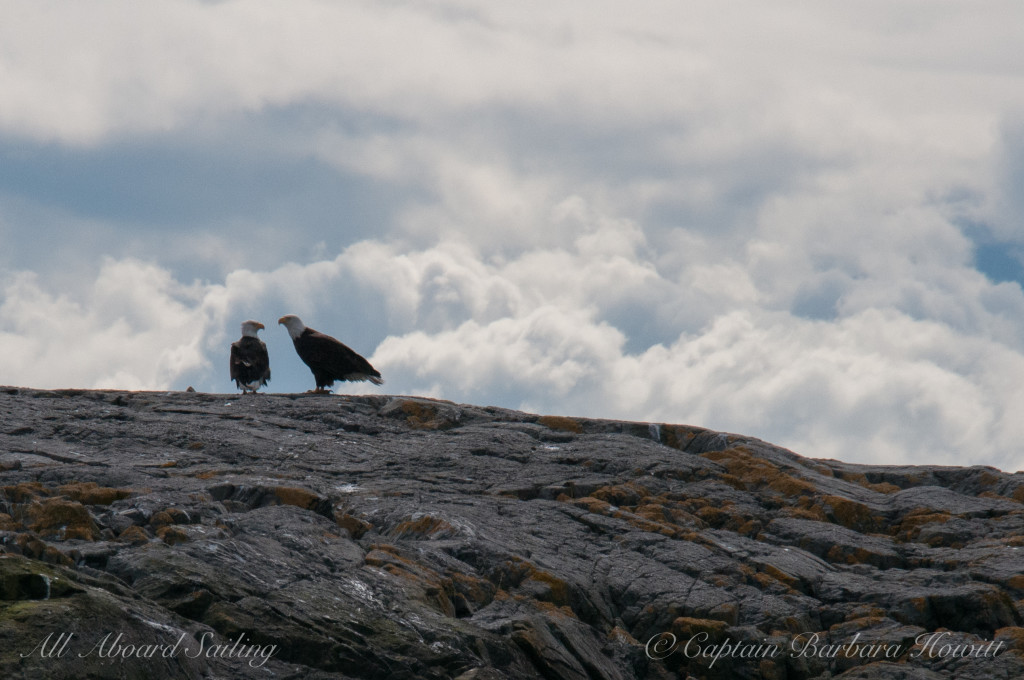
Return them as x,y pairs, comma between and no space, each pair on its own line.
329,359
250,364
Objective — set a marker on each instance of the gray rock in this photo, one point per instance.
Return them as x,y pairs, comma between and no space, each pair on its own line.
295,536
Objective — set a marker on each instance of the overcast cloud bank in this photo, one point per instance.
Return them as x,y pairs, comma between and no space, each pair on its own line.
800,223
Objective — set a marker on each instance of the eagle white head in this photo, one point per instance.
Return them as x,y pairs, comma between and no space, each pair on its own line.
250,328
293,324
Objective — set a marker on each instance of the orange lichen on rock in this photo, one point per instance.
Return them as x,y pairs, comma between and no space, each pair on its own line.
548,608
168,516
24,492
52,555
851,514
300,498
846,555
91,493
1013,636
426,416
685,627
812,512
862,480
425,526
715,517
63,519
516,572
172,535
678,436
987,478
618,634
558,589
134,535
748,472
910,524
655,512
7,523
786,579
791,486
562,423
628,494
471,593
769,583
591,504
389,558
437,590
654,527
29,545
356,527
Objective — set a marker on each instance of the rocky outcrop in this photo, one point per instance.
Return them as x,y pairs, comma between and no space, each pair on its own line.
186,535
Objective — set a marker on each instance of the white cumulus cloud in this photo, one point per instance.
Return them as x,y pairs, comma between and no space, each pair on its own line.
797,220
133,327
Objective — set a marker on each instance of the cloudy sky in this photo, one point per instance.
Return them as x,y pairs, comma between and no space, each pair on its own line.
800,220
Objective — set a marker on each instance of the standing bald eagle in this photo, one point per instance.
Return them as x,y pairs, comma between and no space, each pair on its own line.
329,359
250,364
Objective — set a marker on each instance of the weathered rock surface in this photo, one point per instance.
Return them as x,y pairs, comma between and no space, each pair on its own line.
185,535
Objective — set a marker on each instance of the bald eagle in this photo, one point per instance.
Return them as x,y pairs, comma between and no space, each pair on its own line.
250,364
329,359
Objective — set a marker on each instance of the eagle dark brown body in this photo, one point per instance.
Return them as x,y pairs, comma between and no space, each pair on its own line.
328,358
250,363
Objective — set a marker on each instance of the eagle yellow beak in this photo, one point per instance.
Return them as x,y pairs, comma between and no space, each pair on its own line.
259,325
281,320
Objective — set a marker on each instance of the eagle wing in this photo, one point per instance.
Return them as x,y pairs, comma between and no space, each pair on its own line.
250,361
331,356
